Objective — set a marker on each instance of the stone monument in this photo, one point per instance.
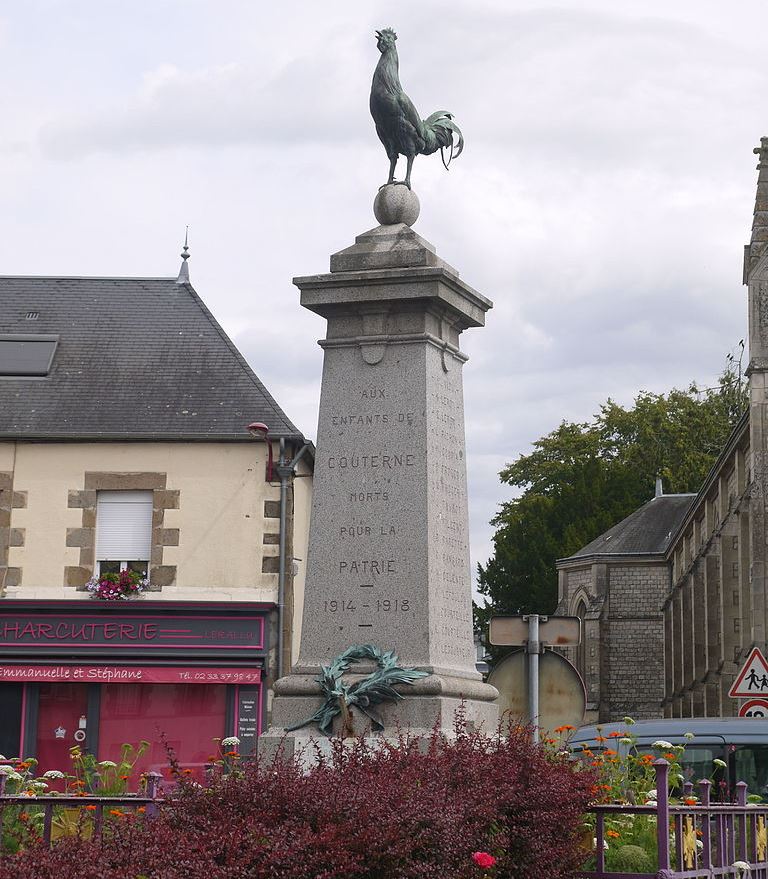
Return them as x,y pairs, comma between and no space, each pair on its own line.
388,560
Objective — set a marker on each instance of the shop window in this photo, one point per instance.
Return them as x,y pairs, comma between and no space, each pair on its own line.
11,703
185,718
123,531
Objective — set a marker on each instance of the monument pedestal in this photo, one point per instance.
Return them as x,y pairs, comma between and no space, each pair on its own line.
388,560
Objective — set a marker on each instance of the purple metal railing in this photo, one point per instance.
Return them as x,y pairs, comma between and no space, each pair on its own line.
727,832
149,801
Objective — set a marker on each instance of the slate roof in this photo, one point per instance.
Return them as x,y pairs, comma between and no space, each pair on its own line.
137,358
647,531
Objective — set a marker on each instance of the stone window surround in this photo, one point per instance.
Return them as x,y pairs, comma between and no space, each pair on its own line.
9,500
84,537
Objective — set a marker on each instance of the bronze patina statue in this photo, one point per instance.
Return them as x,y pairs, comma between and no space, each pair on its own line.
398,124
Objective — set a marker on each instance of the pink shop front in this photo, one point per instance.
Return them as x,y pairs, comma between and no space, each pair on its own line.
103,674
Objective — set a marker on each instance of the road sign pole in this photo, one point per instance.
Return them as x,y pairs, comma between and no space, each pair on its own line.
532,649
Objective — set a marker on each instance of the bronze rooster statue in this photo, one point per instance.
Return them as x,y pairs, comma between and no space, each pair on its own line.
398,124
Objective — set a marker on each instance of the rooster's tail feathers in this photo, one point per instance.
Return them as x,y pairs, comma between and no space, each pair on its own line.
444,128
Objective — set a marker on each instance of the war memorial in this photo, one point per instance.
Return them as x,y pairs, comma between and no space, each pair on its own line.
388,574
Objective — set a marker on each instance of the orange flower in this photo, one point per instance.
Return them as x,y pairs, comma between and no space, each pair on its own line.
605,787
614,735
141,810
124,777
24,817
587,753
600,739
669,756
117,812
186,771
90,808
81,793
612,833
690,801
595,763
646,758
609,752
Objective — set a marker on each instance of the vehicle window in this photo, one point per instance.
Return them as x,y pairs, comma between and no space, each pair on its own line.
750,763
697,763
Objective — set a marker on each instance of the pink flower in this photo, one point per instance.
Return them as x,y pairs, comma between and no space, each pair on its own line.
483,859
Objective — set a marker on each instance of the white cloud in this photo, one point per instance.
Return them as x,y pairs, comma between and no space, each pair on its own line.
602,200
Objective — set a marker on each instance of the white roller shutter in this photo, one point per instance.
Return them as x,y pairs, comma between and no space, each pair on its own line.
123,525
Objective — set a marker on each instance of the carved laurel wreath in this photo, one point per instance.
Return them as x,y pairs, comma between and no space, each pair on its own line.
363,694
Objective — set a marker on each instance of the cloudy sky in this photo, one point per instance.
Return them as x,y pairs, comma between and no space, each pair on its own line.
602,201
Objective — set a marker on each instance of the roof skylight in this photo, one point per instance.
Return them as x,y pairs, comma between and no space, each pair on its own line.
26,354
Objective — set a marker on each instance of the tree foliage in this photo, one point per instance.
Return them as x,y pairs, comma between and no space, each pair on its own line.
581,479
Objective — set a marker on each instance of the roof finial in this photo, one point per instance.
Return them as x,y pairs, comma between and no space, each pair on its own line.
184,270
754,250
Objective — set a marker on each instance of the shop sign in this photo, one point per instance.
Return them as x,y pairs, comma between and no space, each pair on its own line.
248,720
129,674
47,632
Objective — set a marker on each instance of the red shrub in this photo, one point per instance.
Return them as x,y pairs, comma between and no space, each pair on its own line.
415,810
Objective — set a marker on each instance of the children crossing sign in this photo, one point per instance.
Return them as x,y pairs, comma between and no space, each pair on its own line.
752,680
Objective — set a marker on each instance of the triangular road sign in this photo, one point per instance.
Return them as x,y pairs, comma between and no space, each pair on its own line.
752,680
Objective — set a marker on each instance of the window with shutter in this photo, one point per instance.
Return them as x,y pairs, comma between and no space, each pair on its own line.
123,531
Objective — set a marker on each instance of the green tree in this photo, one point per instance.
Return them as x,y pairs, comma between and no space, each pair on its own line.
581,479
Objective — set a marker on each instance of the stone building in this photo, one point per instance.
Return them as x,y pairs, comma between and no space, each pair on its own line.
674,597
124,445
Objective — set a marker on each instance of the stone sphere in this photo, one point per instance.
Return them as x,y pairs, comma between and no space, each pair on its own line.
395,203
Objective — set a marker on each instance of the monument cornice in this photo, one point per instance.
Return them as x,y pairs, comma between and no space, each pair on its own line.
325,294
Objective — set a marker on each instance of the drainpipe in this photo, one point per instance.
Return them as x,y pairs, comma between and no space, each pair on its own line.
286,471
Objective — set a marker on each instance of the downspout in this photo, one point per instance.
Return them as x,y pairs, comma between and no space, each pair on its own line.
286,472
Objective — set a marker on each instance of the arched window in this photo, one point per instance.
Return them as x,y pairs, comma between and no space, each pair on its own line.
581,650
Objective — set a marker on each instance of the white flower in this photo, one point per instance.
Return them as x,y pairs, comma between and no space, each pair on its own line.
689,735
594,844
107,764
53,773
721,763
651,796
7,770
629,721
743,870
13,776
662,745
230,740
39,785
626,740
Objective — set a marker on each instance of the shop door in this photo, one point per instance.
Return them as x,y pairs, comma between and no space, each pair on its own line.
61,713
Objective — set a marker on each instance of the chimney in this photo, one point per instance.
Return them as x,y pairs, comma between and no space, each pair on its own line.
659,487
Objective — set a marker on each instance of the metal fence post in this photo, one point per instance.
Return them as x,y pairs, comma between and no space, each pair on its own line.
705,791
661,768
153,789
741,820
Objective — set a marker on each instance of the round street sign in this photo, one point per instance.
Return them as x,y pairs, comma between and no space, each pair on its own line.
754,708
562,698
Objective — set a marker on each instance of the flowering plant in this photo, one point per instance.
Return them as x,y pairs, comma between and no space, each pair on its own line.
115,587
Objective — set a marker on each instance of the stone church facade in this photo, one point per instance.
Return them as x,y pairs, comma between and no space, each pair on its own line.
675,596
